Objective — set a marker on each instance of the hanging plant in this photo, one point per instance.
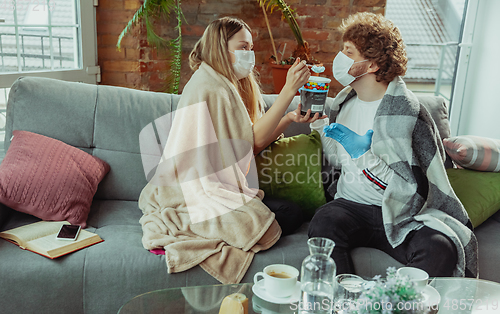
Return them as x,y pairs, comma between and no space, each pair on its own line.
155,10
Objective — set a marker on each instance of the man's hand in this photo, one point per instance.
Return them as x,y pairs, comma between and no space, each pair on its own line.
354,144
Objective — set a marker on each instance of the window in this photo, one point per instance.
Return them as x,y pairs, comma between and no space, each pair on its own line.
465,47
431,30
50,38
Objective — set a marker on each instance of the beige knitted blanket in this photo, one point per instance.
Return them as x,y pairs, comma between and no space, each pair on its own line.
199,206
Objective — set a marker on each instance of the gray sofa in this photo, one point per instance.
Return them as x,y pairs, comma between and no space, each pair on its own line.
105,121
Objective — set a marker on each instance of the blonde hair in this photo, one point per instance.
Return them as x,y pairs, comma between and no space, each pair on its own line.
212,48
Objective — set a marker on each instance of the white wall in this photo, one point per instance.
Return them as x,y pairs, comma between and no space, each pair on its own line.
481,103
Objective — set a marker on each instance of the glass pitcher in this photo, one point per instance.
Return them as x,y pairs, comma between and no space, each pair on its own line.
318,278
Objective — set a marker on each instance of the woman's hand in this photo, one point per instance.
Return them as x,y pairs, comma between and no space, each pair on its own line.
295,116
297,76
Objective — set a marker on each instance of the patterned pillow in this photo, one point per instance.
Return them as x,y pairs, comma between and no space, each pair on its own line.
474,152
49,179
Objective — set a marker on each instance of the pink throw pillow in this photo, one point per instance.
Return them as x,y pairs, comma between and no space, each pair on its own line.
474,152
49,179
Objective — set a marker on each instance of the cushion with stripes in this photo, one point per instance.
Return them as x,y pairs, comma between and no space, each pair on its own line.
474,152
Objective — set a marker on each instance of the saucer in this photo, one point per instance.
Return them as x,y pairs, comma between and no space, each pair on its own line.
431,296
259,290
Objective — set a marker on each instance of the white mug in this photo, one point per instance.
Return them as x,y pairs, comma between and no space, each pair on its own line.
418,276
279,280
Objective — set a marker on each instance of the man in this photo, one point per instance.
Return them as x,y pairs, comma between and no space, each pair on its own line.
393,193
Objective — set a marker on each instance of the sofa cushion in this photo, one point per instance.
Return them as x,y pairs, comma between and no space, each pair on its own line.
54,108
131,129
290,168
474,152
439,112
49,179
478,191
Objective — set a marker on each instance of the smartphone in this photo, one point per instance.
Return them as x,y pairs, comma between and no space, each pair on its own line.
68,232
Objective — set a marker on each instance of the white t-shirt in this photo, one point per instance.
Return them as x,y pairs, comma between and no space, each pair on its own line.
358,116
364,179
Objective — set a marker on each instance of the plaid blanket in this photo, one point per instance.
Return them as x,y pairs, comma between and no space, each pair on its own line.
406,138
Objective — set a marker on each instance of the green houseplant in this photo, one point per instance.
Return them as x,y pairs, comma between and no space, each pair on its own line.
280,66
156,10
302,50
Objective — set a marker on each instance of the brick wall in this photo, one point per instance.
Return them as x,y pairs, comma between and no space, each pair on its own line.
141,67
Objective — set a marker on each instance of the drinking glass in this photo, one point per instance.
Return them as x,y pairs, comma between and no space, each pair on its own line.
348,289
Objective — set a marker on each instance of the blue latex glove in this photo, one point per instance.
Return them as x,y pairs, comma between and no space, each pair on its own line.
354,144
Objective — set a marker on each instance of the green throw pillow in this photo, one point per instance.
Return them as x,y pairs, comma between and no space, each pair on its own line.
290,169
478,191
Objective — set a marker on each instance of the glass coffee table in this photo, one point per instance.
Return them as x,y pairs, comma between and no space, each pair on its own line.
467,295
457,296
201,299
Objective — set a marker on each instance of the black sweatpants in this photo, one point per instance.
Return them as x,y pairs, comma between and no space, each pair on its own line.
352,225
288,214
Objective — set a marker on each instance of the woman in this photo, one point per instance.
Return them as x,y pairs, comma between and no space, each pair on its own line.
199,207
234,59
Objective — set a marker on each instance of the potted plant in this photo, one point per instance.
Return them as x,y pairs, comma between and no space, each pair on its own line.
302,50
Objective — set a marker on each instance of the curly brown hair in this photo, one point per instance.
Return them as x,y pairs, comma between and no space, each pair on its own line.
378,40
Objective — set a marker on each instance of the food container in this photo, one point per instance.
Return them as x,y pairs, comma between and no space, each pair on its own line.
313,95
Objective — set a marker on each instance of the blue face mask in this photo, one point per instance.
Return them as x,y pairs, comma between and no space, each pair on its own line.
340,68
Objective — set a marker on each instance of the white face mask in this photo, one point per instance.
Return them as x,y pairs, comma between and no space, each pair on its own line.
245,61
340,68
